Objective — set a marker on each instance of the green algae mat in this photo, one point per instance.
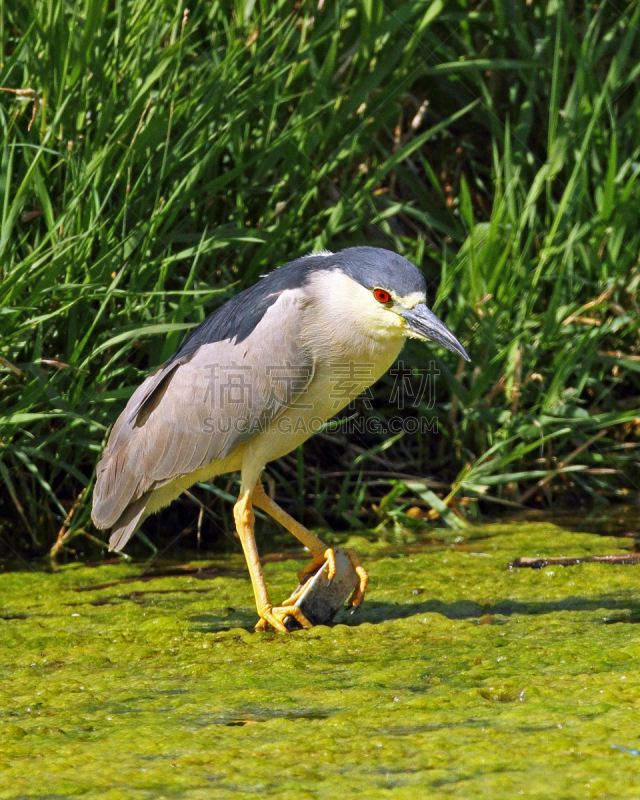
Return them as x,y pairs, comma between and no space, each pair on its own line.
458,678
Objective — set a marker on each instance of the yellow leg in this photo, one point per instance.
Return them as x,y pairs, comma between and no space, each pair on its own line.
269,615
319,550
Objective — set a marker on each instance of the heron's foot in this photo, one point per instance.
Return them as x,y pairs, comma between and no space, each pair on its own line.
293,598
317,563
358,594
274,617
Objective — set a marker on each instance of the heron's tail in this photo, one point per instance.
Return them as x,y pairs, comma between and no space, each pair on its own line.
128,523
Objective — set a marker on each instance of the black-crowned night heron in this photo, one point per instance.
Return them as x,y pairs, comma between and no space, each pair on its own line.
255,380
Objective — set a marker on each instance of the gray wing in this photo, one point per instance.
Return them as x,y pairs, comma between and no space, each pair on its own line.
198,408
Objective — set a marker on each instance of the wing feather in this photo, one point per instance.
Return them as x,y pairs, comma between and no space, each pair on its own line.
199,408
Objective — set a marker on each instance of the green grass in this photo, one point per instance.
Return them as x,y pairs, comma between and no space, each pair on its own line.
176,156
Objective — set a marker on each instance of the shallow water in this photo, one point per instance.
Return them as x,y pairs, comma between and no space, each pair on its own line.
457,678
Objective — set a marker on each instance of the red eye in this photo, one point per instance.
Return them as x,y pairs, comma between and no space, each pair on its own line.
382,296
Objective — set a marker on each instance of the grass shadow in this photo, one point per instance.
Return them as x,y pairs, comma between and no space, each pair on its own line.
376,613
468,609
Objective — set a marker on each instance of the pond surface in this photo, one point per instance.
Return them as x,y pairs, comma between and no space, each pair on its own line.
458,678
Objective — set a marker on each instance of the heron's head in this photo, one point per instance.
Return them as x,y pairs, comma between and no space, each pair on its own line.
384,292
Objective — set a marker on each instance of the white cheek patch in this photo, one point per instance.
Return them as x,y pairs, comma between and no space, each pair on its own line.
346,303
411,300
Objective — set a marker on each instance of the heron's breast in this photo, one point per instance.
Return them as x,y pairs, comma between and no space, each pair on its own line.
335,383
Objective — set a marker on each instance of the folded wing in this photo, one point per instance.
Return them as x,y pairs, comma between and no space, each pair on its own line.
200,406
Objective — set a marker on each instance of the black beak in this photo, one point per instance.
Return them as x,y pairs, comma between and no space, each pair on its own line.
426,325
